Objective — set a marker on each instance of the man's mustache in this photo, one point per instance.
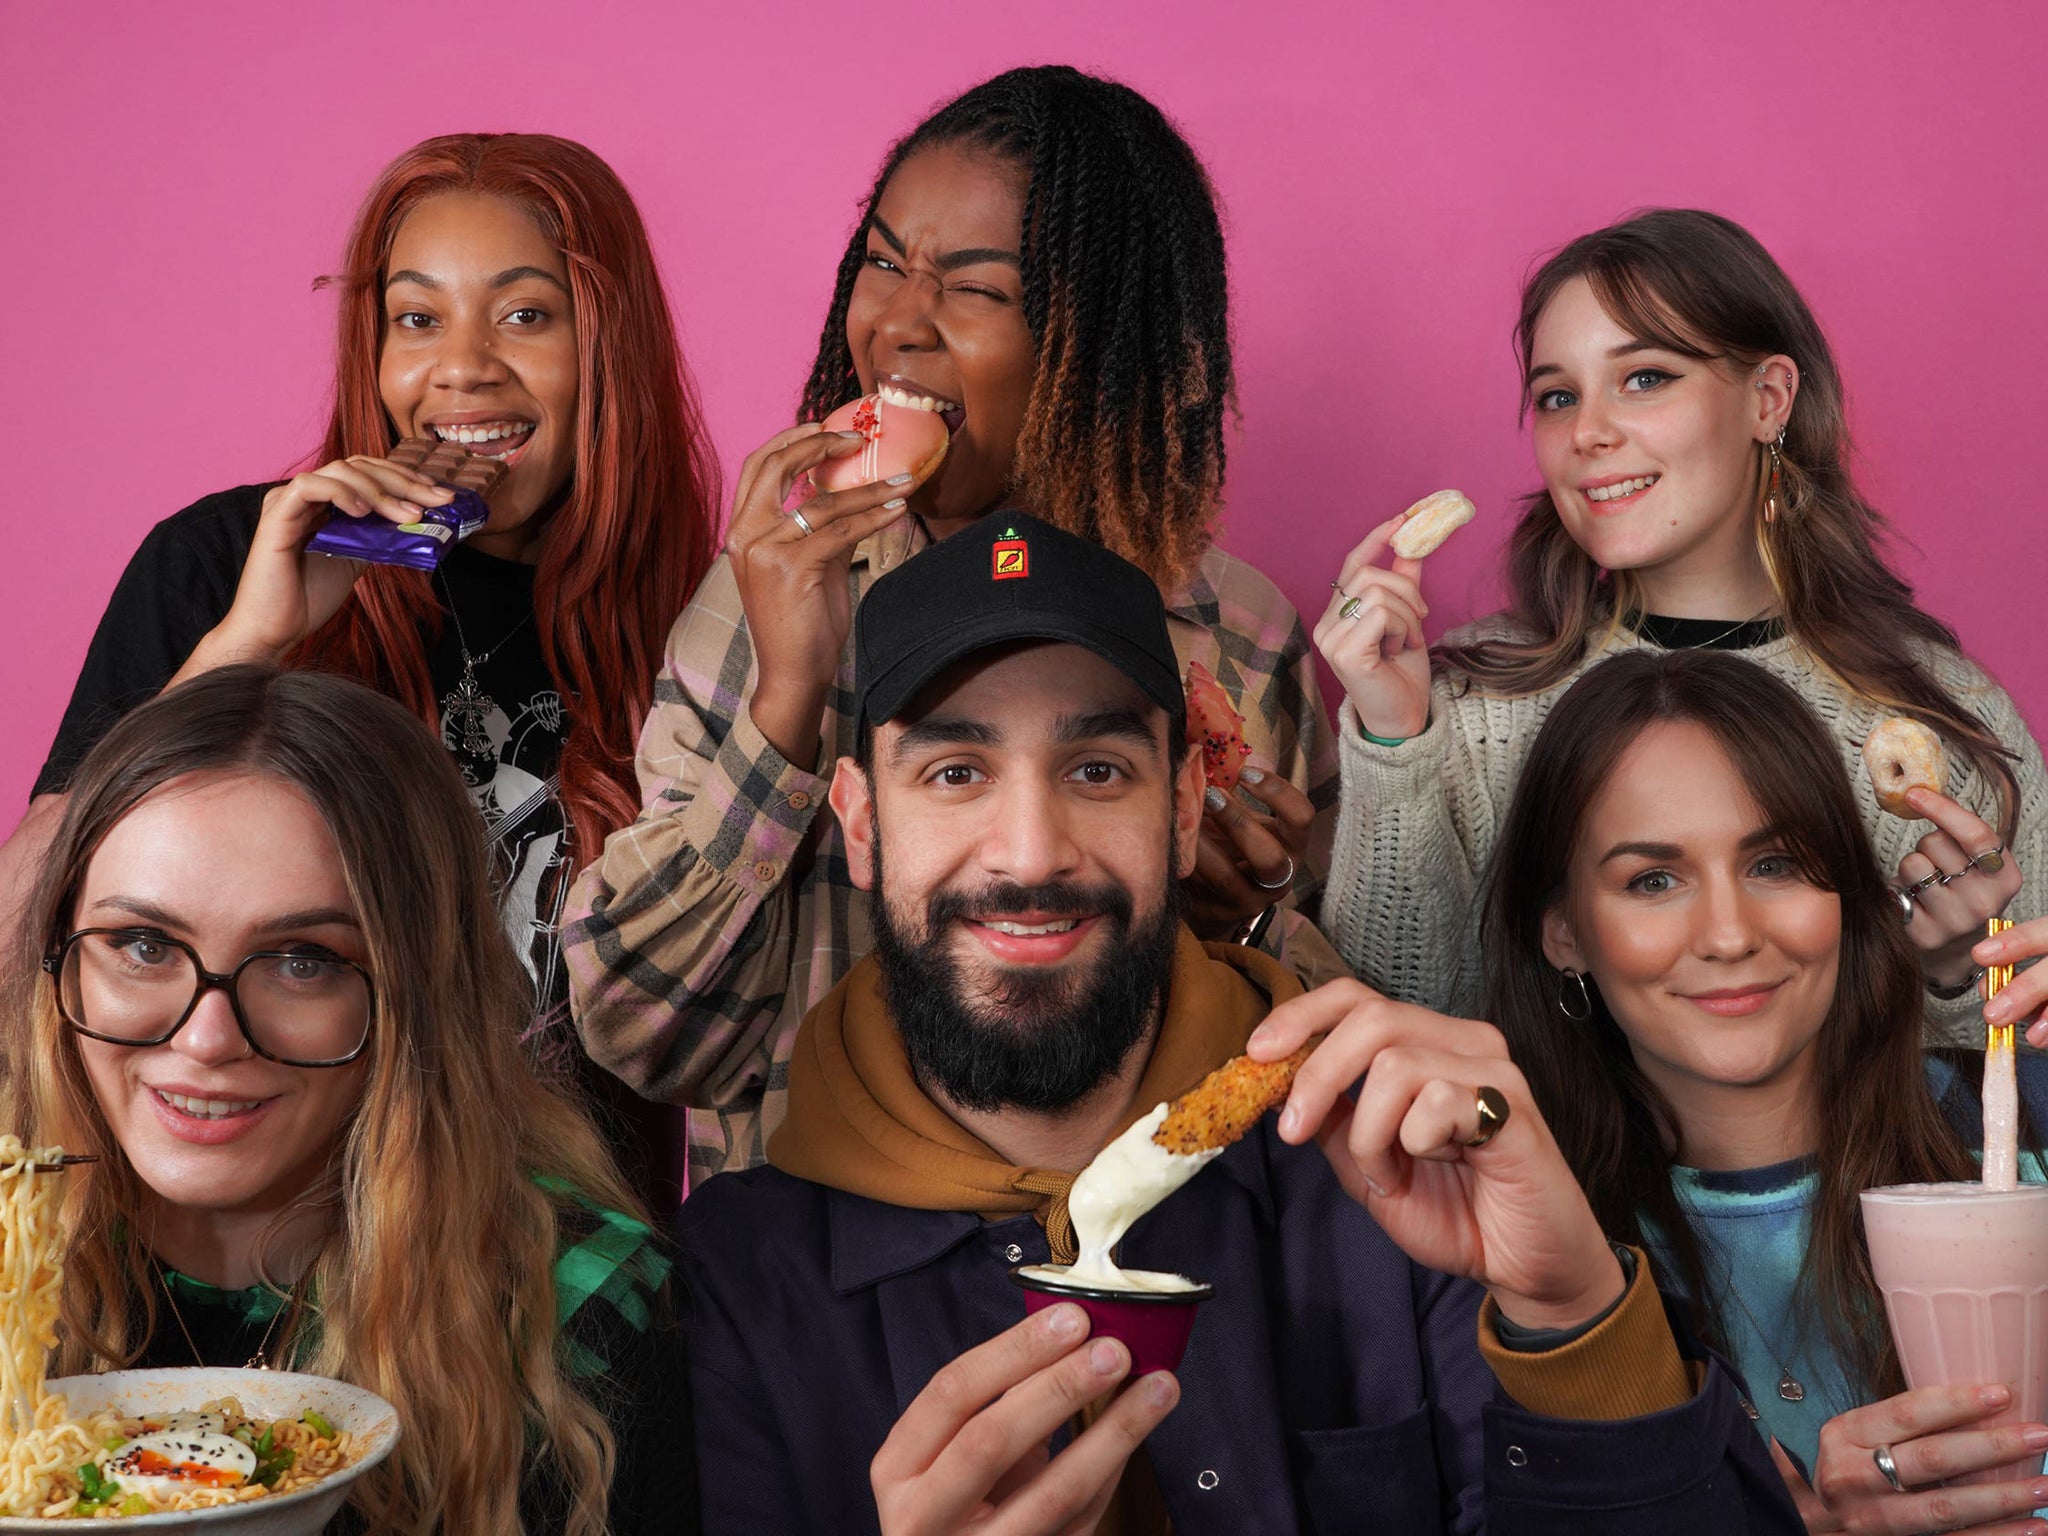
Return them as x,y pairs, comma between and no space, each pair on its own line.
1061,899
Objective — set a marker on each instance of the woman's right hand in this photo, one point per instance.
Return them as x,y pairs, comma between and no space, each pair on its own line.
970,1452
1379,653
793,584
285,594
1929,1435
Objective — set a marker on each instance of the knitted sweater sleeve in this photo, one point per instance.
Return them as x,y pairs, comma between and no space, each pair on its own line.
1415,832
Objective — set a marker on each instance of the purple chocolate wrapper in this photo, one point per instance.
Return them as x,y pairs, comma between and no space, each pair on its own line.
421,545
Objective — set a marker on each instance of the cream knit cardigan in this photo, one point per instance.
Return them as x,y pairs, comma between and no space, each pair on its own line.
1416,827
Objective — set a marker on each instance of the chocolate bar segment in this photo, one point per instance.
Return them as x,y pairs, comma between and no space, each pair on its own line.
424,544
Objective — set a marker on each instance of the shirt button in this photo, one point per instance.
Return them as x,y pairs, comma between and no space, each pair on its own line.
764,870
1207,1481
1517,1457
798,800
1014,1254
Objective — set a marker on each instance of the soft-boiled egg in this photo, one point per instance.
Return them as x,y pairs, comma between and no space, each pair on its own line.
182,1457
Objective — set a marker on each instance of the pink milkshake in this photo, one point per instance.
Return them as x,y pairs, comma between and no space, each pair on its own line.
1964,1270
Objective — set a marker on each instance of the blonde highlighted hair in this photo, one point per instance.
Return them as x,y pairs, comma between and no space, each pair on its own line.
1702,286
436,1286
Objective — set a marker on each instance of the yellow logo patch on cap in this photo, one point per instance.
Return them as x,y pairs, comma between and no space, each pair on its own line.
1012,557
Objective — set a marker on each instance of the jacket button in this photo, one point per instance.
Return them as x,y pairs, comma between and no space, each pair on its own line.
1517,1457
799,800
1207,1481
1014,1254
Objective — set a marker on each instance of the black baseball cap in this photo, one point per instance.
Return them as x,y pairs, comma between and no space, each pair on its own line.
1007,577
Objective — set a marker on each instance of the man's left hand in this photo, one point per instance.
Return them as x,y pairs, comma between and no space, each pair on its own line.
1507,1213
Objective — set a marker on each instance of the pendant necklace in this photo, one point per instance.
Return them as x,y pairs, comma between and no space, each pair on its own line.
1790,1387
260,1361
467,707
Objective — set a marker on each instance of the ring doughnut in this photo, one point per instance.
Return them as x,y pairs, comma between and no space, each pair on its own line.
1429,522
1903,755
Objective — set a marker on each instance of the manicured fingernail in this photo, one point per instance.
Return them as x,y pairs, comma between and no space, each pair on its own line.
1374,1185
2035,1437
852,437
2038,1494
1105,1358
1160,1388
1214,798
413,507
903,479
895,506
1251,775
1258,1037
1290,1120
1997,1395
1996,1010
2037,1034
1066,1321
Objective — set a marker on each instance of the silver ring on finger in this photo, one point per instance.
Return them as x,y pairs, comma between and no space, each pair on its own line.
1351,608
1937,878
1883,1457
1282,883
803,523
1905,900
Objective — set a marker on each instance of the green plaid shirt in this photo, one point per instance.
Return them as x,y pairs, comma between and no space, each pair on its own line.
705,931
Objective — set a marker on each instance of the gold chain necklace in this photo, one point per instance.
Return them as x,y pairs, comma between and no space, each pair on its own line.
257,1362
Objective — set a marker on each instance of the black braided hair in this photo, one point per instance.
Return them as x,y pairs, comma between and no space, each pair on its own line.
1126,297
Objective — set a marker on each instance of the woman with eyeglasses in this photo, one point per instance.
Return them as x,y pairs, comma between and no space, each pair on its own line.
267,988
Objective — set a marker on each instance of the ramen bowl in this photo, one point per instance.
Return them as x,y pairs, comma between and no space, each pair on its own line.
263,1395
1153,1324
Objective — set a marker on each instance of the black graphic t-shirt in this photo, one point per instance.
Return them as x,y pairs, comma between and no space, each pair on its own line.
501,719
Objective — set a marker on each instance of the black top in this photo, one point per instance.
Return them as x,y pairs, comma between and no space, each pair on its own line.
1707,634
181,583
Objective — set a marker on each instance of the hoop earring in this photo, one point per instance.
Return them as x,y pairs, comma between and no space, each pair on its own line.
1777,464
1564,997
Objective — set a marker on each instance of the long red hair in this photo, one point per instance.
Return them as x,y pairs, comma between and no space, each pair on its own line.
637,529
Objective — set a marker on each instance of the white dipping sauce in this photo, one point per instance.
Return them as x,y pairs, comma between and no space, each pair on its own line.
1127,1178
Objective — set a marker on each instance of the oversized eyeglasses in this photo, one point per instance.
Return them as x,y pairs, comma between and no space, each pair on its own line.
130,986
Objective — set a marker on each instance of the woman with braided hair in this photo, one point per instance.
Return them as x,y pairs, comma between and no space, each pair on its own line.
1040,262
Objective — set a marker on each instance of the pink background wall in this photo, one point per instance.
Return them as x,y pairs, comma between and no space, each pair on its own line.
175,176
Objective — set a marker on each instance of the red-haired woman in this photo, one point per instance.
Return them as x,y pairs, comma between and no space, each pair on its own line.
498,290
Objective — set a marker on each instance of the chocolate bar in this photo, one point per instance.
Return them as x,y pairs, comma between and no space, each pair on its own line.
424,544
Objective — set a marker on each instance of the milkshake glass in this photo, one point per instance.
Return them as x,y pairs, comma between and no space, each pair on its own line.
1964,1271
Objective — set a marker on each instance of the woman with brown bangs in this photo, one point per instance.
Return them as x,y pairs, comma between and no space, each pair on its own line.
1689,424
1697,963
498,290
1039,263
264,984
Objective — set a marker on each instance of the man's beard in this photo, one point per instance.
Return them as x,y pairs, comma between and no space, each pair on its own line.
1048,1036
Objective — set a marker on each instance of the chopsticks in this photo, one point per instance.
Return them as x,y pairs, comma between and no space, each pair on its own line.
68,1160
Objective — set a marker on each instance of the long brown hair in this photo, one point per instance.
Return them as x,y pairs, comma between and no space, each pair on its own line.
1702,286
638,530
452,1182
1127,298
1619,1134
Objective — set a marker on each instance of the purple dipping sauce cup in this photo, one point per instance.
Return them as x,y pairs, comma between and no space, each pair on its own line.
1154,1325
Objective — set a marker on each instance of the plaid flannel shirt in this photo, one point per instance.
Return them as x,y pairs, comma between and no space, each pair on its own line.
705,931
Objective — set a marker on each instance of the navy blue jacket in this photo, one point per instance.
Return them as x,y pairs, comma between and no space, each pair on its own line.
1331,1385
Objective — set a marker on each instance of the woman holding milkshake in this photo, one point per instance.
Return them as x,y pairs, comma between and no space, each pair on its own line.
1699,965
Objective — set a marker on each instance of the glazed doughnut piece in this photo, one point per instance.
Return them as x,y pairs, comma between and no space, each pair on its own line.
1903,755
1215,727
1426,525
901,436
1227,1103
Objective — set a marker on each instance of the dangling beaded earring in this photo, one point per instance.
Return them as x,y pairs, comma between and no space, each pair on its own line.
1777,462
